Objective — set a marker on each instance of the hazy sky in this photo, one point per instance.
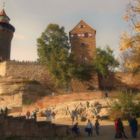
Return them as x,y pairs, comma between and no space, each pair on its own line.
30,18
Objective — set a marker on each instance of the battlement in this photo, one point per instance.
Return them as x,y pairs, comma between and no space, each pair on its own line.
23,62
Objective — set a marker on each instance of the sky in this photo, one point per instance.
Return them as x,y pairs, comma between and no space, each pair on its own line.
31,17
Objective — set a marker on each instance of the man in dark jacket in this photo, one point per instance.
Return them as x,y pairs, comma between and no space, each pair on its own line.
134,127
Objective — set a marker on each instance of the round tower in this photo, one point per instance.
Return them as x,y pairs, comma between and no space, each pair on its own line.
6,35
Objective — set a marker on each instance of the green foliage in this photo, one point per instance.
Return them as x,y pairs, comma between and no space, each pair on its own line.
105,61
83,72
125,106
53,51
28,101
32,82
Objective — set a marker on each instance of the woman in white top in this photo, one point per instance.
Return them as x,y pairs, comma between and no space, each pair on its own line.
89,128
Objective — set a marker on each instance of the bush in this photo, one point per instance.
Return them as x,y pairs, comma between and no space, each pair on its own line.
27,101
125,106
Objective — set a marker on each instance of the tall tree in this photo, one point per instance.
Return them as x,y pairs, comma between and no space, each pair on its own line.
53,50
105,61
130,41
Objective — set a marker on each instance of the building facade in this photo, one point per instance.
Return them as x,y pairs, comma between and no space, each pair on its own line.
83,42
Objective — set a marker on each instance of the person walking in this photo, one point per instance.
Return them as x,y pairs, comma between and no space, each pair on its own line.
89,128
28,114
76,129
97,125
117,132
121,129
134,127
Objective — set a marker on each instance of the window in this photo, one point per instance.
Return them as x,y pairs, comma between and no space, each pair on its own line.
81,26
71,35
75,35
83,44
90,35
86,34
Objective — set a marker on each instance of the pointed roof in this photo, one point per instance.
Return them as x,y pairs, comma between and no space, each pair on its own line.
83,23
4,17
3,13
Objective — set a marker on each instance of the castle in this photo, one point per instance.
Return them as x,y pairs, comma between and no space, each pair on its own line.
83,46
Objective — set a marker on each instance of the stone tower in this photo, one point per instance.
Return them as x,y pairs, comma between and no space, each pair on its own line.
83,42
6,35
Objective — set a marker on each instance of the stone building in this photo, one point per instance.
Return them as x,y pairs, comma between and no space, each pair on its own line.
6,35
83,42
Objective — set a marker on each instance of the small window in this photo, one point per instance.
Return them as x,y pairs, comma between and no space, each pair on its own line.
86,34
75,35
81,26
79,35
83,44
82,35
71,35
90,35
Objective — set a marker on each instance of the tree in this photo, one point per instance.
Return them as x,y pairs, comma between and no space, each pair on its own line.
130,42
104,61
53,51
125,106
83,72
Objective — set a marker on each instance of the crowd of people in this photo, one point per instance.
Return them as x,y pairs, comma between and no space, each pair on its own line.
89,128
32,115
119,128
118,124
79,113
4,111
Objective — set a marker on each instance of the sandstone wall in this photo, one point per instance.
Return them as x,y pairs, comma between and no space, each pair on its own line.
3,69
26,70
14,92
28,129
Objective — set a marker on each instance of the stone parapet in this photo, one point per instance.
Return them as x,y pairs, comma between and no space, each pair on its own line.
21,127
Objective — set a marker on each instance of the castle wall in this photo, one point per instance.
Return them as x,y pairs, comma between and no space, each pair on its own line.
25,70
29,129
11,101
3,69
14,92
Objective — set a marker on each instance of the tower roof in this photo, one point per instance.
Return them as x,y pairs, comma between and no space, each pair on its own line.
4,21
2,13
82,24
3,16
